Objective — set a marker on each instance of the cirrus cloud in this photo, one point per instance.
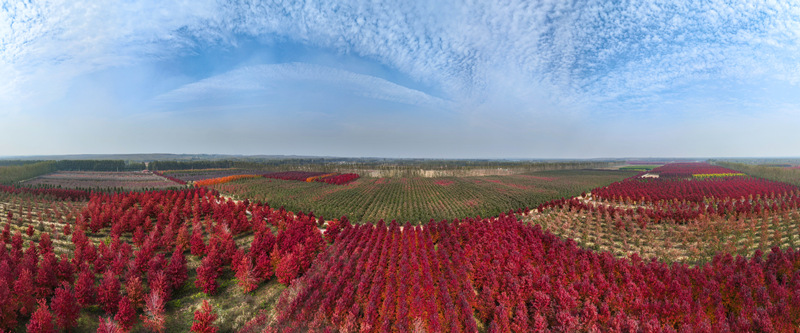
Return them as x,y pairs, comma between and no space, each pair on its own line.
630,62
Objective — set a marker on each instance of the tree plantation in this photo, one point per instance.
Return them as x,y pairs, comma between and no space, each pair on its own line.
604,251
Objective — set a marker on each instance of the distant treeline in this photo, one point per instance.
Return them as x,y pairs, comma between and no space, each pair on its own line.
98,165
16,171
775,161
386,167
462,168
17,162
190,165
13,173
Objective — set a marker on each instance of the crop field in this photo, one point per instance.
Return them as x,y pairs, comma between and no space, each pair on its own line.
101,180
302,176
323,177
201,174
638,167
671,254
420,199
695,242
221,180
680,217
206,177
784,175
34,215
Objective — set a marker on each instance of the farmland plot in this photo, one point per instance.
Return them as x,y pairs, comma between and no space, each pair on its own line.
681,217
102,180
419,200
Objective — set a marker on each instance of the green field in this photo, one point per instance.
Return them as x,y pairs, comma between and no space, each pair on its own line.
647,167
420,199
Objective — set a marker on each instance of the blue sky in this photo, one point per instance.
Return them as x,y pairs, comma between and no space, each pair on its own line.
453,79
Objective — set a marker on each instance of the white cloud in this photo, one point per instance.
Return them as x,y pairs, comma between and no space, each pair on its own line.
46,44
265,79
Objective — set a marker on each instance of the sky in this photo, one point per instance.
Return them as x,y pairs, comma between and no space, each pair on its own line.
435,79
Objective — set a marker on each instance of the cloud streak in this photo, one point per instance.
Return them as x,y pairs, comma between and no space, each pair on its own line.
271,79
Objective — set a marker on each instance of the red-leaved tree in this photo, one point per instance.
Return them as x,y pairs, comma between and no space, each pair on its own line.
41,320
176,271
66,307
260,250
84,288
126,314
65,271
8,317
196,244
246,274
182,239
46,279
45,244
108,293
24,292
288,268
264,267
204,319
160,284
108,326
208,271
153,317
134,289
